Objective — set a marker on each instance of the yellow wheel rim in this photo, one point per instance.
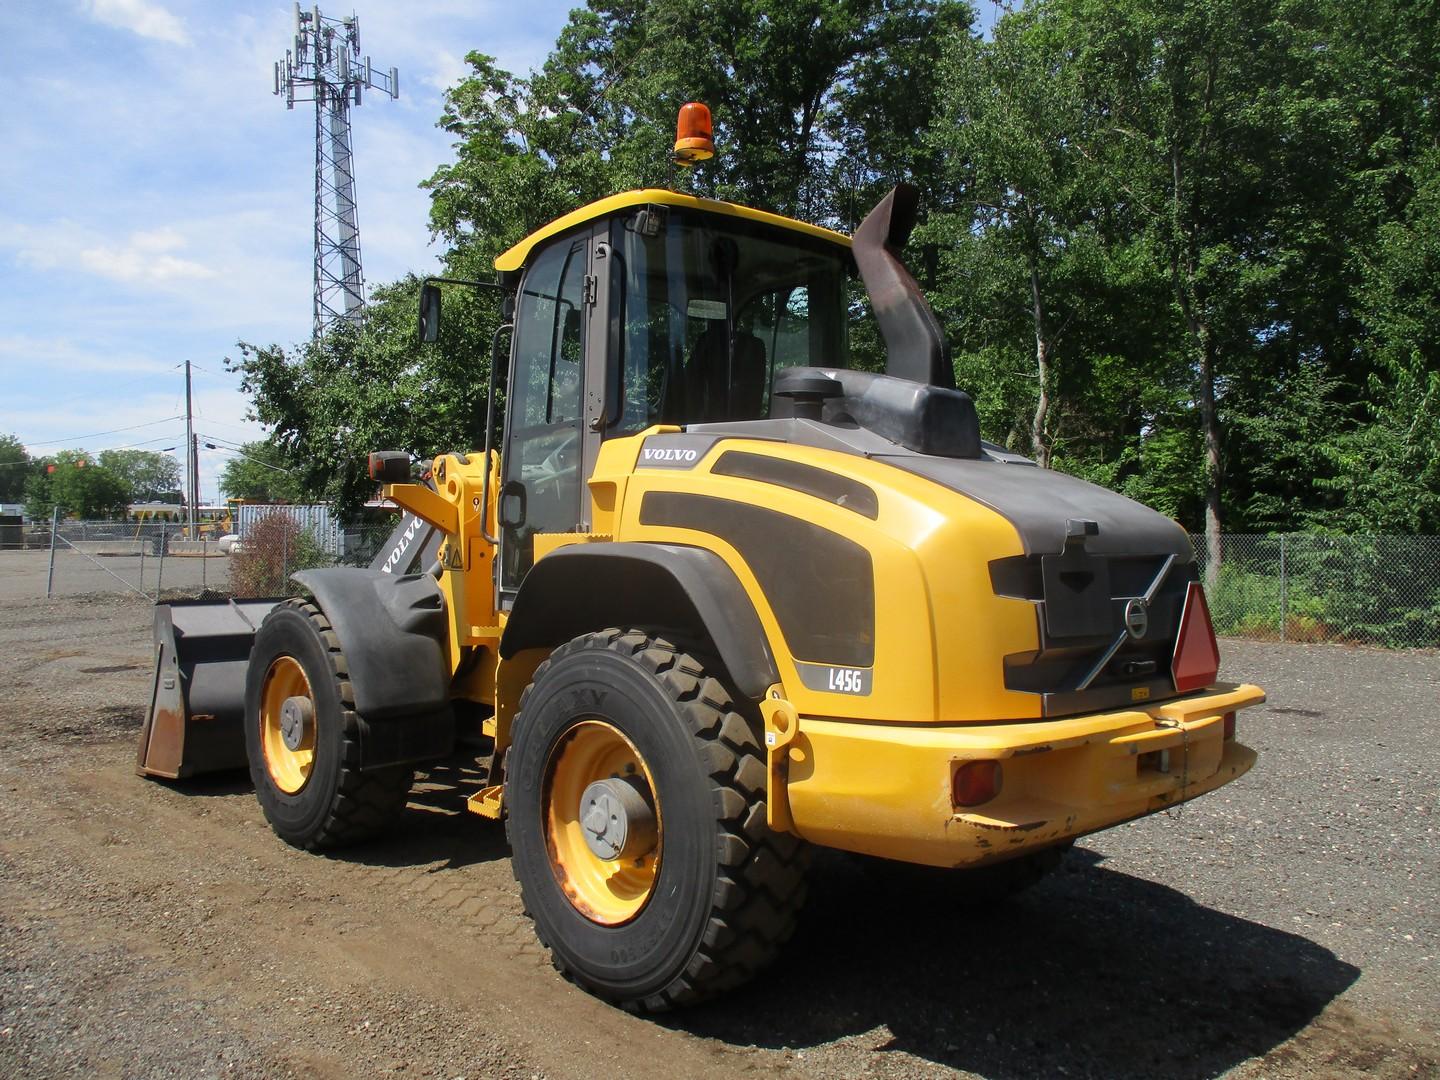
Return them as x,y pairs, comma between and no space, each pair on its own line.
288,761
606,891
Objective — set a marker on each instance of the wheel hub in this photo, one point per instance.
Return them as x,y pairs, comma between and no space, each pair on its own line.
288,725
297,720
615,819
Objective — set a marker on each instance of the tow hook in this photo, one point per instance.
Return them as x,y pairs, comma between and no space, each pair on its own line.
782,724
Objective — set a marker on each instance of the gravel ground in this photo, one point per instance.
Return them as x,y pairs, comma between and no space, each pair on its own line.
1286,926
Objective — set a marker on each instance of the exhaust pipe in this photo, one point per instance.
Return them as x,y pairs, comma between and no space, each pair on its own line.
914,341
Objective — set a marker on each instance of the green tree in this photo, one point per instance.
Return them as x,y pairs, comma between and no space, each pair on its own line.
260,472
150,476
14,468
331,402
1020,213
81,487
1220,138
790,92
1389,468
802,98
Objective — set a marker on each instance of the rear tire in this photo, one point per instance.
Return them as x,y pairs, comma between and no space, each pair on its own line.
314,795
724,889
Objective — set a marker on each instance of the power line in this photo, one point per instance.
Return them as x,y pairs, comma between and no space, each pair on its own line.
223,423
104,450
229,443
97,434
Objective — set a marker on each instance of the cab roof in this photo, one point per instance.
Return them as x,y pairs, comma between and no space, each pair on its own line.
514,258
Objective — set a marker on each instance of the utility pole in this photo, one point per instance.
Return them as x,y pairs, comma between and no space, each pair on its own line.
324,65
192,470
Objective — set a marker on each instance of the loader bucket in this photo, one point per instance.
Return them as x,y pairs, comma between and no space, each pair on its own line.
195,723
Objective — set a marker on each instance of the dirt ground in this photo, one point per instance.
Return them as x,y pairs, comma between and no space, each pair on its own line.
1286,926
23,574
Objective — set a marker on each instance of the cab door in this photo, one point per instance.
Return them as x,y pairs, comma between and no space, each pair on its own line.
543,488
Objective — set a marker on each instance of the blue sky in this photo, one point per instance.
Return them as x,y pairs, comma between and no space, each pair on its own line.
156,198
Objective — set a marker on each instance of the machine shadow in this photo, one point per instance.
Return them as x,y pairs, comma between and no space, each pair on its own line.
213,785
435,825
1091,973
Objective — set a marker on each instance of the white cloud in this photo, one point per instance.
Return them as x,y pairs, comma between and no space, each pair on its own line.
146,257
140,17
68,355
446,69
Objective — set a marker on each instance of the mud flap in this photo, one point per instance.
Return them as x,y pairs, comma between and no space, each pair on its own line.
195,723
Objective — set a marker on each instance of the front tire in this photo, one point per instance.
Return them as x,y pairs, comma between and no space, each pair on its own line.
303,740
695,893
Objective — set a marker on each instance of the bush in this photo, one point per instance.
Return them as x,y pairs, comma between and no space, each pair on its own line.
275,546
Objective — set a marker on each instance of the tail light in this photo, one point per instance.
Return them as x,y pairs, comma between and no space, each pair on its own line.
1197,655
977,782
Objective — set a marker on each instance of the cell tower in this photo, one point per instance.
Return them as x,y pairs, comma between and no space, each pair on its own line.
324,66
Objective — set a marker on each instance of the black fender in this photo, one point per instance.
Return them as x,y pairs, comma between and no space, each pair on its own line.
584,587
393,631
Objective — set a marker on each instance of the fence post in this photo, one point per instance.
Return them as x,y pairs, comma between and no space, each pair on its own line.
54,527
1284,591
160,572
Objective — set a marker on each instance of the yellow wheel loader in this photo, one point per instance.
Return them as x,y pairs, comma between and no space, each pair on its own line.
716,598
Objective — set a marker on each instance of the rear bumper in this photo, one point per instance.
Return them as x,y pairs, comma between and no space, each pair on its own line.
886,789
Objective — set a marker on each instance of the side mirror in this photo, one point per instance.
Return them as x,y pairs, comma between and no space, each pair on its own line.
511,510
430,313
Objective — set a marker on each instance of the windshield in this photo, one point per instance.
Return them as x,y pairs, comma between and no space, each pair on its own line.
713,307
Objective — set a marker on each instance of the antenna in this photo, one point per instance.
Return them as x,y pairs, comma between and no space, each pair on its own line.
324,65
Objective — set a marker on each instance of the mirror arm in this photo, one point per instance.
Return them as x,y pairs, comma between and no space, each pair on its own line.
430,287
465,281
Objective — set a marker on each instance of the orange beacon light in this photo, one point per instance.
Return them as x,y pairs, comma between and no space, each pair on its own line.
694,135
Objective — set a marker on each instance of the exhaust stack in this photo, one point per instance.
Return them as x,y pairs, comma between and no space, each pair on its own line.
913,339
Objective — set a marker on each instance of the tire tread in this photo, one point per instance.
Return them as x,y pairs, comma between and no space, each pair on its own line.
365,804
761,885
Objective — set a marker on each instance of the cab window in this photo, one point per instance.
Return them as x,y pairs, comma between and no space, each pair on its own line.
712,308
542,485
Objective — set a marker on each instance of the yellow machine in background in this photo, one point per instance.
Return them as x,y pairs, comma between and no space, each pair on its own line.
715,598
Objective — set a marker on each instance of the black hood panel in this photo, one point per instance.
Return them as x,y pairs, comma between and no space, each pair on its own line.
1040,503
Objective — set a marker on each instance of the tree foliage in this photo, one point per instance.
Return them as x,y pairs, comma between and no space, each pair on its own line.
1186,250
149,476
14,468
78,484
260,472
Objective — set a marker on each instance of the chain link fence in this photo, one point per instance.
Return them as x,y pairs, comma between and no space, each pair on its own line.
1358,590
160,559
1300,587
150,558
276,544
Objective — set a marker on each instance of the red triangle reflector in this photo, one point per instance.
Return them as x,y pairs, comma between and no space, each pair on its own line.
1197,655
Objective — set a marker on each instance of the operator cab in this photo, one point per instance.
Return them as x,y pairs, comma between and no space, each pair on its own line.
651,308
712,308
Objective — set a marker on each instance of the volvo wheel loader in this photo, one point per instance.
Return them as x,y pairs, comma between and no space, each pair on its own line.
715,598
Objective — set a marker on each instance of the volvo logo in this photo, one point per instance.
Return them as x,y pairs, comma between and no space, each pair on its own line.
1137,618
669,453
